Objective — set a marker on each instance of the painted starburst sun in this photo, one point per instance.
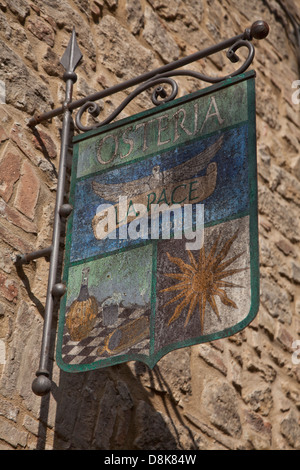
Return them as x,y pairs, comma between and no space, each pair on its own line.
201,281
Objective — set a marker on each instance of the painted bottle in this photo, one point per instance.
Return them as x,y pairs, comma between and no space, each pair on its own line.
82,314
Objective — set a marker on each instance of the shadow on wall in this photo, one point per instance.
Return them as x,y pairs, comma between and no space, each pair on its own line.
111,410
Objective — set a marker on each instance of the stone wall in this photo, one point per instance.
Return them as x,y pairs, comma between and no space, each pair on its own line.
236,393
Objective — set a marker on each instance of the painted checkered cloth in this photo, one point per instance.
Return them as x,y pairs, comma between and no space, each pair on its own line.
87,350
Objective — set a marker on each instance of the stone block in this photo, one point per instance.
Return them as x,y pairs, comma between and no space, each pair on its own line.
2,354
254,365
26,91
220,402
259,398
120,52
276,301
14,216
11,434
44,142
9,410
285,184
295,272
51,63
15,241
135,16
290,429
20,8
171,376
212,358
284,339
295,166
267,322
258,432
27,191
152,431
8,288
64,16
3,134
280,213
10,165
42,30
31,425
166,9
158,37
286,247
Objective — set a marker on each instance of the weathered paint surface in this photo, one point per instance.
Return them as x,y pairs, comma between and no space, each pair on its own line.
154,295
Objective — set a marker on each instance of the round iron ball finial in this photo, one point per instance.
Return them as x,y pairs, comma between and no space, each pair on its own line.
41,386
70,76
59,289
259,30
65,210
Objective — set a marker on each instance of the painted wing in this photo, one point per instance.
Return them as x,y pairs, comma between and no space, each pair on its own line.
111,192
192,167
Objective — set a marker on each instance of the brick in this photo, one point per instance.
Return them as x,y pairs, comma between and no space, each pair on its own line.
19,137
9,173
13,216
8,288
44,143
28,191
13,240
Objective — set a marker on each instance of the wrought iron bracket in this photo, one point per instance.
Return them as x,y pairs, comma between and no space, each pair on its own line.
258,30
155,78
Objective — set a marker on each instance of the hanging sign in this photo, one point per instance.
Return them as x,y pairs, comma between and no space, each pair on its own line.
162,244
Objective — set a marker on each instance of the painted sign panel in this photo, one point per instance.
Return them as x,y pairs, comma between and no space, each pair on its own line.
162,245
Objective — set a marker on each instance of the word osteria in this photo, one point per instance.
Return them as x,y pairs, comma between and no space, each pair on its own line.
152,134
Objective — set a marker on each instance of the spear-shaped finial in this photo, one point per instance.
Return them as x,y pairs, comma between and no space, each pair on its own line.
72,54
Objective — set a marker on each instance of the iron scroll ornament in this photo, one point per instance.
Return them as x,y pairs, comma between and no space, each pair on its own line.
165,78
94,109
